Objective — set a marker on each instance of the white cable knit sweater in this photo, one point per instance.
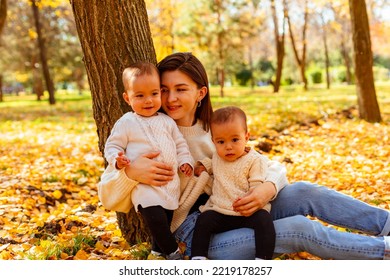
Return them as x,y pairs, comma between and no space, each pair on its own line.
232,180
115,187
136,135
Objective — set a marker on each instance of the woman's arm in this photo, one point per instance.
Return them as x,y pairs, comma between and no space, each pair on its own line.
276,174
148,171
259,196
115,186
255,199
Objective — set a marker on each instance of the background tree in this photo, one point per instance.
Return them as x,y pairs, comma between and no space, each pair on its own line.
109,46
326,50
43,53
368,104
279,43
342,27
3,16
20,61
300,58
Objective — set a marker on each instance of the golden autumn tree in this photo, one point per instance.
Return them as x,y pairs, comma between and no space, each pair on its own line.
113,34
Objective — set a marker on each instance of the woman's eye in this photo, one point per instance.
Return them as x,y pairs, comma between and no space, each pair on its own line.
164,90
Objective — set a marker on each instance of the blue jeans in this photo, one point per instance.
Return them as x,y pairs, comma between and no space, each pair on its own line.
297,233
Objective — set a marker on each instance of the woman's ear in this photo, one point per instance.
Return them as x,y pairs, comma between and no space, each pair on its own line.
202,93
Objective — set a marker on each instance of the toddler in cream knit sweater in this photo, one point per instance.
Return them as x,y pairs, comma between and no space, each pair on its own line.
143,131
236,169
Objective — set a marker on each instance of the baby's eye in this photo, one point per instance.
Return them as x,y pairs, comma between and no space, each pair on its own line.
156,93
220,142
236,139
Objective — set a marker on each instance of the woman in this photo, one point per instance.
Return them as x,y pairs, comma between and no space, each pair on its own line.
186,99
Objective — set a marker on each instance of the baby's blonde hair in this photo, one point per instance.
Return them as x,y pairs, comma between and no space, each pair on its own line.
138,69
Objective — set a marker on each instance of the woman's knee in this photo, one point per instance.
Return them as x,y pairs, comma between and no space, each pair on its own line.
307,190
294,224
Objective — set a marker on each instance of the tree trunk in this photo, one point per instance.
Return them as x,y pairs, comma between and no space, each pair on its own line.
37,82
1,88
3,14
113,34
368,104
327,64
347,63
301,61
251,68
37,85
42,52
279,44
221,55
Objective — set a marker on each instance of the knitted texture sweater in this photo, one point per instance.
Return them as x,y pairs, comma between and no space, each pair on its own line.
232,180
115,187
136,135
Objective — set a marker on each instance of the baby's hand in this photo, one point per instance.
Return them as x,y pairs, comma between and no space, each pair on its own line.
199,169
186,169
121,161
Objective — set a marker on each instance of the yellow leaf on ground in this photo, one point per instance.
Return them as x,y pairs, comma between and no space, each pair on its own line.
81,255
57,194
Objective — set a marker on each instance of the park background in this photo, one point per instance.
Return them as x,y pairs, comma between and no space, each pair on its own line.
303,112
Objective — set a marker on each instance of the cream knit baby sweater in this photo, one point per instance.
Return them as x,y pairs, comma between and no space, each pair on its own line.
115,187
232,180
136,135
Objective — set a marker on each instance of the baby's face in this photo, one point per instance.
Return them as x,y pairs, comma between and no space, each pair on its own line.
230,139
143,94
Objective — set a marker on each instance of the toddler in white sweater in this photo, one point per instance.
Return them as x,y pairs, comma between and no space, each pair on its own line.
236,169
143,131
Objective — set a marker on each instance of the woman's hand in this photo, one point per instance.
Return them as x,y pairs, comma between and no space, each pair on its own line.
255,199
148,171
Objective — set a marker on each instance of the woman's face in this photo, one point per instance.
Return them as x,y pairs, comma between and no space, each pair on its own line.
180,96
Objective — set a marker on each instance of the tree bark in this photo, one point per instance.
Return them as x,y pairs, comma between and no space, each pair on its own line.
279,44
325,41
367,102
347,62
221,52
113,34
1,88
301,61
3,14
43,52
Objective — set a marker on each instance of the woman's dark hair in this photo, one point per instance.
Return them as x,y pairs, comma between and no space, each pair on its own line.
190,65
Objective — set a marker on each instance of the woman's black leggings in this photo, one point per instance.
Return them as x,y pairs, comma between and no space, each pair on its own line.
158,220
